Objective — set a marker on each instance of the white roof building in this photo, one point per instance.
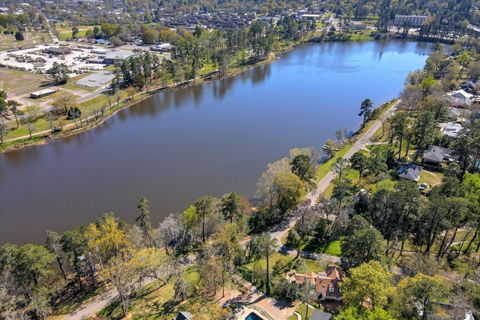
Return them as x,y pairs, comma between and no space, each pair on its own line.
452,129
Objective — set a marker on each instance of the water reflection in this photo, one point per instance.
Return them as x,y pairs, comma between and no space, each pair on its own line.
211,138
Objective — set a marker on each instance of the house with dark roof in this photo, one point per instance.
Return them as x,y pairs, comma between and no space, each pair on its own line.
184,315
435,155
410,172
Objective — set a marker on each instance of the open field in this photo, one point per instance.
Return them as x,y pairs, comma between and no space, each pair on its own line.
65,31
20,82
31,38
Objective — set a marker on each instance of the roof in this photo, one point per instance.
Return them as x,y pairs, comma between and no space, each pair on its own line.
327,284
320,315
118,54
43,92
452,129
435,154
184,315
461,94
410,172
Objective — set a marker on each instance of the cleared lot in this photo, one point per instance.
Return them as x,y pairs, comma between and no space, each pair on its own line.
96,79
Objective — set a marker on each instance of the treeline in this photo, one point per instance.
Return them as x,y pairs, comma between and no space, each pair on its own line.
218,51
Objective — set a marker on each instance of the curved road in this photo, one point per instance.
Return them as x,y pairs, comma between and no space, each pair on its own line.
98,303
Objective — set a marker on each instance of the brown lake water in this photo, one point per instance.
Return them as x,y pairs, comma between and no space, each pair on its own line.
212,138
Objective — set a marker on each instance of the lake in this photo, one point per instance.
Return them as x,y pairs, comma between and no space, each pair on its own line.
212,138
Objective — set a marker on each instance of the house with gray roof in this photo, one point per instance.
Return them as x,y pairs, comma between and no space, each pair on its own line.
410,172
435,155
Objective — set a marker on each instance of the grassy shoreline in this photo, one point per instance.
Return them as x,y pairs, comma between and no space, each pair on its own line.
75,127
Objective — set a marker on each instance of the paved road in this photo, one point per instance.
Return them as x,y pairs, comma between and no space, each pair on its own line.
325,181
92,307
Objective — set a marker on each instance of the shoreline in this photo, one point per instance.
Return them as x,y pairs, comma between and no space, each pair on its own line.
83,125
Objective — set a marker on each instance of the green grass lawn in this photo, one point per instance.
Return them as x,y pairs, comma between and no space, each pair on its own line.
365,35
431,178
65,32
334,248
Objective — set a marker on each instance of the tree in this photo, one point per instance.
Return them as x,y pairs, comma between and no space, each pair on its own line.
369,283
59,73
54,245
173,234
265,246
289,191
180,287
366,110
303,168
417,294
294,241
286,291
75,32
13,107
231,207
63,103
206,206
423,132
107,239
363,245
354,313
32,264
359,161
19,36
143,219
149,35
399,128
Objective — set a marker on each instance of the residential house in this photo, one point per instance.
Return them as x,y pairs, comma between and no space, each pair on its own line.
326,284
435,155
358,26
459,98
410,172
452,129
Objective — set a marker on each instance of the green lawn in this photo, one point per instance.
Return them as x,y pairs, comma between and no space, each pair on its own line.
65,32
334,248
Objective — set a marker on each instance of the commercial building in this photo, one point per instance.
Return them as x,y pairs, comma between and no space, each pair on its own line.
42,93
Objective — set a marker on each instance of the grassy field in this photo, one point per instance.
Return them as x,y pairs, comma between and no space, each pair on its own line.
365,35
65,31
20,82
31,38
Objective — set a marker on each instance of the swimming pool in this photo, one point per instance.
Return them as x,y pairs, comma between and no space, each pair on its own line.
253,316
